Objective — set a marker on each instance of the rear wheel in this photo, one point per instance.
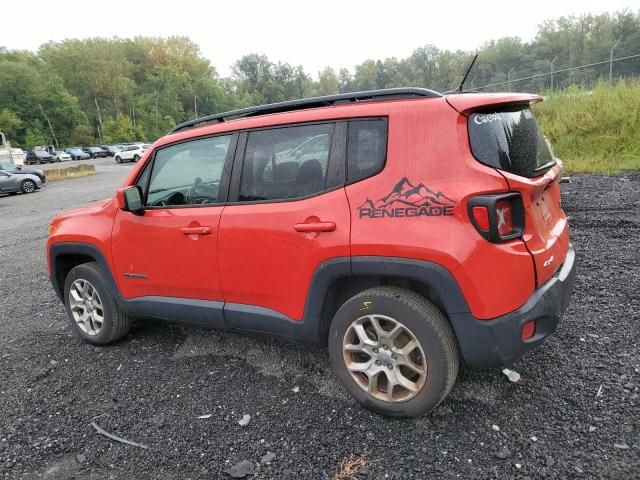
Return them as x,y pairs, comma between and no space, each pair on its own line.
91,306
28,186
136,158
394,351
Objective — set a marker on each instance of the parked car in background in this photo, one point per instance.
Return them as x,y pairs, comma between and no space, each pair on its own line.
13,183
130,153
113,149
105,149
39,157
61,156
20,170
77,153
95,152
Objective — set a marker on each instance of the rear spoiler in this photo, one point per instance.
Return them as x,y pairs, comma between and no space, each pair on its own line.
466,103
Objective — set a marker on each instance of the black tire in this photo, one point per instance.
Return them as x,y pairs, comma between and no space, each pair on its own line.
118,159
116,324
136,158
28,186
430,328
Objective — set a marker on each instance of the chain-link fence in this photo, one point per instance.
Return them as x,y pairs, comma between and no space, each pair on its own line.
558,77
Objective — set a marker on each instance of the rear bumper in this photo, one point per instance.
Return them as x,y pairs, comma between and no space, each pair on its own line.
498,342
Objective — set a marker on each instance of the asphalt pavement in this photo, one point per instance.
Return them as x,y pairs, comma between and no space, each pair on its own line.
183,392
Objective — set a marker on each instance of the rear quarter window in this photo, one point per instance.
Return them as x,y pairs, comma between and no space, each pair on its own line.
366,148
510,140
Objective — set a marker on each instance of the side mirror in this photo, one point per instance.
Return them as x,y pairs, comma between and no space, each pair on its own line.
132,200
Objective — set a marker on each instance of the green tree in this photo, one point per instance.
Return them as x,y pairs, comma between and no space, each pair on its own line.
118,129
10,123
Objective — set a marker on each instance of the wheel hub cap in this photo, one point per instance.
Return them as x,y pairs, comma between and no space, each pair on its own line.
384,358
86,307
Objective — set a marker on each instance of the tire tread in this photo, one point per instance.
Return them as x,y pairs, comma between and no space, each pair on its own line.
121,321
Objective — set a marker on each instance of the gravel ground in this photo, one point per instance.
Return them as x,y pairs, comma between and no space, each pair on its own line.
574,415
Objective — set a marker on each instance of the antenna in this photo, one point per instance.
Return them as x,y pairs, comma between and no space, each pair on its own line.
466,73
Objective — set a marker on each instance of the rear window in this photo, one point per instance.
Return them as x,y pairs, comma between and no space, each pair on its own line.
509,139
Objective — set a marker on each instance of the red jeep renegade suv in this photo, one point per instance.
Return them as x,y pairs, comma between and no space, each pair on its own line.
401,227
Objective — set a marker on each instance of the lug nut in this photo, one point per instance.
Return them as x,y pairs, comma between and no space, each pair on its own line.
378,362
375,350
390,367
385,347
394,356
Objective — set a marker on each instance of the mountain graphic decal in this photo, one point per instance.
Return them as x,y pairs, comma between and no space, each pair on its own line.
408,200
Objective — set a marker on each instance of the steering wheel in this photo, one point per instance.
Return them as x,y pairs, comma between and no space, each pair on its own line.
201,194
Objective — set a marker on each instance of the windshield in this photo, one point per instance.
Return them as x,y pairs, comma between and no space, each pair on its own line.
509,139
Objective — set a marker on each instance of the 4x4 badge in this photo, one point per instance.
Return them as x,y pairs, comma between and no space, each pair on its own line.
408,200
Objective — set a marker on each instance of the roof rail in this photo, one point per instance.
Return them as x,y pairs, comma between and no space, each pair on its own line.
314,102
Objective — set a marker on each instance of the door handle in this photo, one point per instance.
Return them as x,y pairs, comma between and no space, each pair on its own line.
315,227
196,230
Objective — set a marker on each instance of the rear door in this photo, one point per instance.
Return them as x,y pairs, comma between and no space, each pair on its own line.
287,214
508,139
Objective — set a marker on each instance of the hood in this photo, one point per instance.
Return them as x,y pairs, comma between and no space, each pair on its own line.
91,209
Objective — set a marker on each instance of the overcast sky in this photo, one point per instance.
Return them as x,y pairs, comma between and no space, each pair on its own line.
314,34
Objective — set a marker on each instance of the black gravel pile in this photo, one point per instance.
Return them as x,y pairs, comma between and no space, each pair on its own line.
575,413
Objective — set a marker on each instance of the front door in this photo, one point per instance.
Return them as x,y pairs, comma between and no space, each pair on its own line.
171,250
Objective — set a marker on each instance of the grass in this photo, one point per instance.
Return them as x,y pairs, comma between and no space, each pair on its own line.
83,170
350,467
594,130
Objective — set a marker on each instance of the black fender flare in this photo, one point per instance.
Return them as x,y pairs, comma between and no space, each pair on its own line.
61,249
431,274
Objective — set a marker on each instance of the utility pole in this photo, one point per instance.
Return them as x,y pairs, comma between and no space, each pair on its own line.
195,104
50,127
552,62
99,117
156,112
611,62
509,79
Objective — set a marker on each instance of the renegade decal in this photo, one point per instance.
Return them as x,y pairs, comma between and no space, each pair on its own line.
407,200
137,276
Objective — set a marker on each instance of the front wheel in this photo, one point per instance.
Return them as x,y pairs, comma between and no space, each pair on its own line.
92,308
28,186
394,351
118,160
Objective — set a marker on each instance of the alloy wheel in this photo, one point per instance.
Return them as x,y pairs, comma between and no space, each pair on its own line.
29,186
86,307
384,358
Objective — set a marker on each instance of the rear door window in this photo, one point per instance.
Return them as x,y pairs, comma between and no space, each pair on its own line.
509,139
286,163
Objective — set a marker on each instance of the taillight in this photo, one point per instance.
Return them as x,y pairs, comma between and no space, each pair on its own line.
505,217
481,216
498,218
